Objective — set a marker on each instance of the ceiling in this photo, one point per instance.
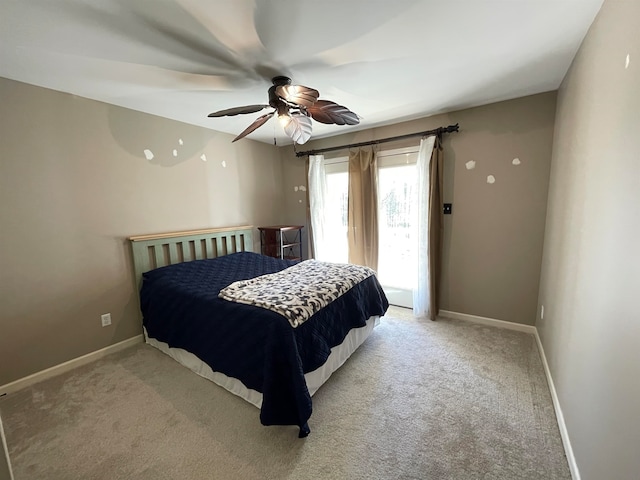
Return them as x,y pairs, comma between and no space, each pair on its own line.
388,61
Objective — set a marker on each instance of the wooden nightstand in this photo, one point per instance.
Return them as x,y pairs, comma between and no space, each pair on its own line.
282,241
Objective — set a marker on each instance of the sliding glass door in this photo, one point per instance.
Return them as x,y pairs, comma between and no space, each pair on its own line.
397,217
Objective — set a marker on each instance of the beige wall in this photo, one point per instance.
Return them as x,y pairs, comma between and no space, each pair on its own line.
493,240
590,283
74,183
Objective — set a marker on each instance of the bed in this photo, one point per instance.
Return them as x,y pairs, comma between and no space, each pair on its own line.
252,351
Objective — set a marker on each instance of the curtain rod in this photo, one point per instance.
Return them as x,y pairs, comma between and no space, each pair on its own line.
436,131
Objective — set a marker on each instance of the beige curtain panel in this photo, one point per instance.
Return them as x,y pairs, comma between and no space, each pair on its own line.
436,225
363,208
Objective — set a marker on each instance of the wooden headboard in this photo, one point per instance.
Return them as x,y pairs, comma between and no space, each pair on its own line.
158,250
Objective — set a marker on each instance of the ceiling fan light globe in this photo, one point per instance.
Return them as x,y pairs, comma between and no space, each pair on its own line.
299,128
284,120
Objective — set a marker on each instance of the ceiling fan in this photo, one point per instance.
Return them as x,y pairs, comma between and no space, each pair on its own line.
295,106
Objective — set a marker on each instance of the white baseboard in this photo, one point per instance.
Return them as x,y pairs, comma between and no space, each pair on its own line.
66,366
492,322
564,433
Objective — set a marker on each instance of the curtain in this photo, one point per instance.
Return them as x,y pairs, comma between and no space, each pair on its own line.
436,225
310,249
363,208
317,193
422,288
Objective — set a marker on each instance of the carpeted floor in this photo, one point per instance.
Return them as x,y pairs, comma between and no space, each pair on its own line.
419,400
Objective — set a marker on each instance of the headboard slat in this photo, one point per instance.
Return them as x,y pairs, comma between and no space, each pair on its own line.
186,254
220,243
228,244
173,254
197,248
158,253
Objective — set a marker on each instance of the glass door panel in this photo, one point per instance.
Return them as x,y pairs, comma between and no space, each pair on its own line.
397,216
337,205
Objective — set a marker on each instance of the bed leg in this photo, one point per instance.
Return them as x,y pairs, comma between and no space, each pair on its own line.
304,431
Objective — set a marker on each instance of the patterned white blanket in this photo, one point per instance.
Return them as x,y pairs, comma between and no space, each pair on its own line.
299,291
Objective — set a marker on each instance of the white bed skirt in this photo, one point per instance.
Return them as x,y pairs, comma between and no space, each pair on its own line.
315,379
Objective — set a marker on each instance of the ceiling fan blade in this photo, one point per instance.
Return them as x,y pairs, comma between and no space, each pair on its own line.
325,111
256,124
230,112
132,21
299,128
298,94
314,40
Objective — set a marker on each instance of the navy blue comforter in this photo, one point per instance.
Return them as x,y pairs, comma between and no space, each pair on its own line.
180,307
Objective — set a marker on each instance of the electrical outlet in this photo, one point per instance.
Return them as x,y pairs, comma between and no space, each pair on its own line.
542,312
106,319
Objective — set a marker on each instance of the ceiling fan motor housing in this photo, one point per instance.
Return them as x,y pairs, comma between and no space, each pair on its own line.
281,80
273,98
